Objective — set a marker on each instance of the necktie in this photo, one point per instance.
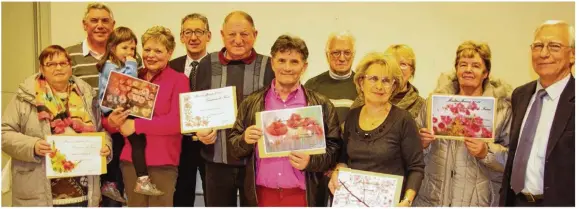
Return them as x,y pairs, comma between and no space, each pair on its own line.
526,143
192,75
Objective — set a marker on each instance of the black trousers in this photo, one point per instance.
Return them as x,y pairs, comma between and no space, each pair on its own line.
323,194
138,145
114,173
223,183
190,161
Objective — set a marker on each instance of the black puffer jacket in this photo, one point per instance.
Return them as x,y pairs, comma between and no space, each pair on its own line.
318,163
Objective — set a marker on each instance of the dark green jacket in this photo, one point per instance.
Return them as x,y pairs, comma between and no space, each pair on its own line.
318,163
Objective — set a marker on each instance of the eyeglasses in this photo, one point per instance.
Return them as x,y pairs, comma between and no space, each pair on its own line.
54,64
552,46
197,33
337,53
373,80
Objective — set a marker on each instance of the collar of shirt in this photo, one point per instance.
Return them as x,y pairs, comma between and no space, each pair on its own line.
86,50
143,71
293,94
554,91
247,60
189,60
295,99
340,77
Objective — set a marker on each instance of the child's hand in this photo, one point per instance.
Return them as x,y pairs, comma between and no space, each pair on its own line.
130,58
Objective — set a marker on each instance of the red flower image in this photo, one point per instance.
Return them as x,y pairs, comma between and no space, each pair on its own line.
462,121
294,121
486,133
294,133
277,128
446,119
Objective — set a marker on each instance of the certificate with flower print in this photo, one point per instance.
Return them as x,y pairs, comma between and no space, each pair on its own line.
130,93
296,129
213,108
75,155
457,117
357,188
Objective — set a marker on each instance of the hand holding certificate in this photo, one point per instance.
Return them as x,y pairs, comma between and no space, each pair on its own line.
75,155
209,109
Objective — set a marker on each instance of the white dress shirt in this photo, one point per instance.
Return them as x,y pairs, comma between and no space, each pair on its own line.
536,162
188,62
86,50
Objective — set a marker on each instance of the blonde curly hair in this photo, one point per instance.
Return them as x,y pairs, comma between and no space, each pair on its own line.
161,34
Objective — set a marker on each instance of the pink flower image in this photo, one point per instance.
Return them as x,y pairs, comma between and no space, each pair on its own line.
461,119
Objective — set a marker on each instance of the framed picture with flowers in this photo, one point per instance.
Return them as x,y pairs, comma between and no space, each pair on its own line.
459,117
130,93
208,109
75,155
296,129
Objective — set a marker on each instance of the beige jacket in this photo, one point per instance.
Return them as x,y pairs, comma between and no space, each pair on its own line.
20,131
452,176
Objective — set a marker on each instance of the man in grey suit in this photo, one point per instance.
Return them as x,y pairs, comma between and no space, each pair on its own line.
540,169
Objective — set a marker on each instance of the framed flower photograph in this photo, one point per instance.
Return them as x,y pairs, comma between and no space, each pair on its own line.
458,117
286,130
130,93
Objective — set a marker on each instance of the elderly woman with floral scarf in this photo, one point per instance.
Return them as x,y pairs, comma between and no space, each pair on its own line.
48,103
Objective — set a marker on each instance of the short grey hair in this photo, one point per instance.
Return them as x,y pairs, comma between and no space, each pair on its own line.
195,16
341,35
92,6
570,29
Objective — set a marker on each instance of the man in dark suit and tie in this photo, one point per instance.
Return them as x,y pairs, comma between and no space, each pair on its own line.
540,169
195,35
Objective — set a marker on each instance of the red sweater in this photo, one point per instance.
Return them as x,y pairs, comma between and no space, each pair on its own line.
163,131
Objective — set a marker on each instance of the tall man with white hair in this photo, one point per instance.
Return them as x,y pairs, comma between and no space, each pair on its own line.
338,85
540,169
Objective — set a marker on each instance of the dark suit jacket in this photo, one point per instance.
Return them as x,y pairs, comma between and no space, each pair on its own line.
178,64
559,175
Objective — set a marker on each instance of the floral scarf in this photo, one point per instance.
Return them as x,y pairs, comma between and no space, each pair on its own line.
61,114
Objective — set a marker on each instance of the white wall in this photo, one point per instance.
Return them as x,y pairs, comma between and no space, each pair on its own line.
18,57
434,30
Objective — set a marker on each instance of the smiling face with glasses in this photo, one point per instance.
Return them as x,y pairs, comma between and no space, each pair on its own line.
195,37
551,53
341,55
56,69
377,86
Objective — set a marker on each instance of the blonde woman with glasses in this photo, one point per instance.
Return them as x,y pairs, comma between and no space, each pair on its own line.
378,136
408,97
